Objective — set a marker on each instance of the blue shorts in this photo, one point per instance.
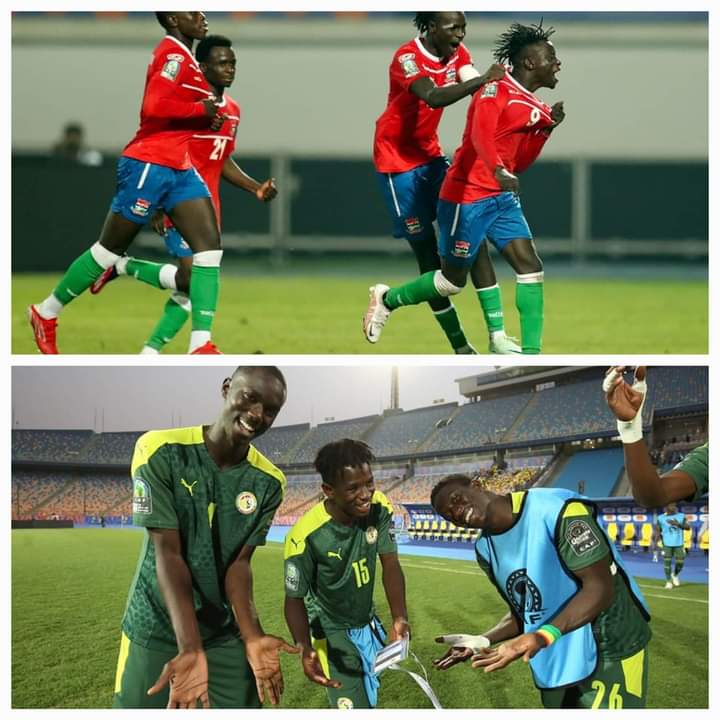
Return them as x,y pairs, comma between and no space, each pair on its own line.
411,198
175,245
464,227
143,187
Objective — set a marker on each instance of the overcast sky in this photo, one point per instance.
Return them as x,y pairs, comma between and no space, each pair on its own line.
141,398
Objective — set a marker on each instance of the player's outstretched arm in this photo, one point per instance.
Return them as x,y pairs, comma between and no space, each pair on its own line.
394,584
235,175
187,672
263,651
437,97
626,402
297,621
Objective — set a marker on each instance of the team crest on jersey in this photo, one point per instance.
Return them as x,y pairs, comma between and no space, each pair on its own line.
345,703
451,76
413,225
524,595
581,537
292,576
489,90
142,497
371,535
461,249
408,64
170,70
246,503
141,207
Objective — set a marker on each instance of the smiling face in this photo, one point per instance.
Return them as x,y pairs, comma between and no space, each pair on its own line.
446,31
352,492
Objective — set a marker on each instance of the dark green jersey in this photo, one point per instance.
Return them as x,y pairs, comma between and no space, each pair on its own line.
621,630
695,464
177,485
332,565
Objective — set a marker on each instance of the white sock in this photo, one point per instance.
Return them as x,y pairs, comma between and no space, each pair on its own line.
121,266
198,338
50,307
167,277
103,257
147,350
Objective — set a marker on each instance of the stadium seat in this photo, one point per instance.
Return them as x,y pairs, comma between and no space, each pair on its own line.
425,531
646,533
688,539
704,541
612,531
628,535
444,531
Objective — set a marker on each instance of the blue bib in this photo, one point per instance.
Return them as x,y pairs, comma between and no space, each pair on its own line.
671,536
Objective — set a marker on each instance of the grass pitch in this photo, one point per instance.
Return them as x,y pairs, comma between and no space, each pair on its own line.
321,313
69,589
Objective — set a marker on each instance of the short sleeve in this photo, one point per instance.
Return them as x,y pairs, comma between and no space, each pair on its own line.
267,513
406,69
464,59
696,466
581,540
153,501
299,565
386,537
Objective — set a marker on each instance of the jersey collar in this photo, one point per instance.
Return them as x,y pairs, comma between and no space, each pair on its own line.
183,47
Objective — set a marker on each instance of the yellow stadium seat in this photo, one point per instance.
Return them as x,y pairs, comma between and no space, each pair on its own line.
628,535
612,531
704,541
688,539
646,533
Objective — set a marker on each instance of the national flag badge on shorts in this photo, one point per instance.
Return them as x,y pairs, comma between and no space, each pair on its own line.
246,503
461,249
141,207
371,535
413,225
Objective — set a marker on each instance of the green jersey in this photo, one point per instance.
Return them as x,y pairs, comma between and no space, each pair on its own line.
695,464
621,630
177,485
332,566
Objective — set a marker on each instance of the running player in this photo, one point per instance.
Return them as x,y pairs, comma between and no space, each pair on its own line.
155,171
211,156
207,498
576,616
688,480
670,526
330,560
427,74
507,127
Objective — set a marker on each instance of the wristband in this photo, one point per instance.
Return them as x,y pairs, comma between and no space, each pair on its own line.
549,633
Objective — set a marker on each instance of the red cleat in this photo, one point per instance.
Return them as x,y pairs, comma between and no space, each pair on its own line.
207,349
45,331
107,276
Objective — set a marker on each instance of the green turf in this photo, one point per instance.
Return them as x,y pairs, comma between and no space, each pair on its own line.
69,589
293,314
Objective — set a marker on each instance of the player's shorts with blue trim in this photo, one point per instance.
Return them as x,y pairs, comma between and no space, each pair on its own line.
411,198
143,187
175,245
465,226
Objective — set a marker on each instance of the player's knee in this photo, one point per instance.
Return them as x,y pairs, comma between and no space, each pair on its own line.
528,263
207,258
182,279
444,286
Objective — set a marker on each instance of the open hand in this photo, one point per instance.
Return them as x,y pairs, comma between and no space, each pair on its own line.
263,654
313,669
495,658
187,674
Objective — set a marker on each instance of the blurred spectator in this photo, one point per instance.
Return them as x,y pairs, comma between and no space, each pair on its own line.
71,146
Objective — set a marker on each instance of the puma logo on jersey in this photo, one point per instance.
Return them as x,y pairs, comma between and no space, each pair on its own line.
335,554
189,487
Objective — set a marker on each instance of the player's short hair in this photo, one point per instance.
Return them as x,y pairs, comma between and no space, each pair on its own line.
162,18
510,45
269,369
455,479
334,457
422,20
205,46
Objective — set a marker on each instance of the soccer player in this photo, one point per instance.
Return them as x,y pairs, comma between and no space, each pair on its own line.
670,526
688,480
207,498
211,156
330,560
155,171
427,74
507,127
575,615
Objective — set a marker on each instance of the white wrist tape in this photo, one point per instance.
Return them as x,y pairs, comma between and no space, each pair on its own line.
472,642
631,431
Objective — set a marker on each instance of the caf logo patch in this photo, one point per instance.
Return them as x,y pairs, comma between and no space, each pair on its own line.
142,497
246,503
292,576
489,90
371,535
345,703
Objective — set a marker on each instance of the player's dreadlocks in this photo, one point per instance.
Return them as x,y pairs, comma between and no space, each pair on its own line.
335,456
202,52
455,479
511,43
422,21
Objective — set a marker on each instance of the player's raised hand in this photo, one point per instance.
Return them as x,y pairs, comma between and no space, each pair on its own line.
313,669
507,181
211,105
557,112
263,654
623,399
496,658
495,72
187,674
267,191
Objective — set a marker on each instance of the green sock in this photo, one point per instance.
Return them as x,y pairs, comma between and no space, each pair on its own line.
667,565
450,323
491,302
419,290
174,316
204,291
145,271
83,272
529,302
678,566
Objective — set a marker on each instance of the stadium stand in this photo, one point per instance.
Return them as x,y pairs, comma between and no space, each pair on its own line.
597,470
49,445
329,432
279,443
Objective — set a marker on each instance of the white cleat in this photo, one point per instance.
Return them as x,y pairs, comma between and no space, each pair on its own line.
502,344
376,315
668,585
675,580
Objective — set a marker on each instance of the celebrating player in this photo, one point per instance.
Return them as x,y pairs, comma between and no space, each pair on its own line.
507,127
155,171
670,526
330,559
207,498
576,616
211,155
427,74
688,480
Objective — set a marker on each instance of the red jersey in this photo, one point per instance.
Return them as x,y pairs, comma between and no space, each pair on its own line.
406,133
209,150
506,126
172,108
